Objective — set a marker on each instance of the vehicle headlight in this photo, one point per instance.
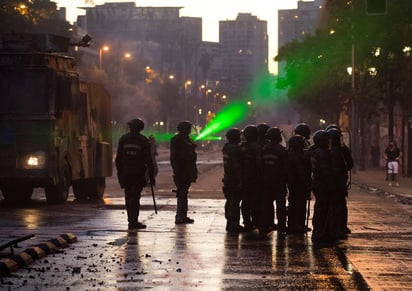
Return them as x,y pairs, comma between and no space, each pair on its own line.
36,160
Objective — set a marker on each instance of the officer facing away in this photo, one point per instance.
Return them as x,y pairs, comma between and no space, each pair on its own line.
183,160
275,162
232,180
132,161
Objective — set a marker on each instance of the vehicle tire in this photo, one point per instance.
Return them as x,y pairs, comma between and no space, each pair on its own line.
79,189
17,194
60,192
92,188
97,187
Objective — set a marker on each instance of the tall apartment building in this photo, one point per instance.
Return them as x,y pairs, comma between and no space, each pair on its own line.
244,50
165,40
295,24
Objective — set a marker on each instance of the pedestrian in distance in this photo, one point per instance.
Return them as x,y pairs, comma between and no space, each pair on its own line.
392,156
232,180
183,160
251,177
133,160
275,162
299,185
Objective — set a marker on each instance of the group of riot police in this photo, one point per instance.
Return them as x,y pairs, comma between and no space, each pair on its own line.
262,177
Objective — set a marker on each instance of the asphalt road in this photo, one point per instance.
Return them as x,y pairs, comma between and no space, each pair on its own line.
201,256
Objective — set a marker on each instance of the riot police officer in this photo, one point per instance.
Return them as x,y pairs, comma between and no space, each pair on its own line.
303,129
274,158
251,177
183,160
342,162
262,128
232,180
132,161
299,185
323,189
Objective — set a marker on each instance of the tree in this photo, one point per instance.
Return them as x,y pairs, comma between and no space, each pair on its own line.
35,16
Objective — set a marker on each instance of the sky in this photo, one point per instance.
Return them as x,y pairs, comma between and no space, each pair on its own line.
211,11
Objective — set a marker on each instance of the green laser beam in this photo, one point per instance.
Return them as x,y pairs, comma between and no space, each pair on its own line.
226,118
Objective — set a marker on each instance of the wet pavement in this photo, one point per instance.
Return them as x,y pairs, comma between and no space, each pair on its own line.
201,256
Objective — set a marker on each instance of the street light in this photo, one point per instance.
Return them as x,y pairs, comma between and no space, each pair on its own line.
125,56
187,84
102,49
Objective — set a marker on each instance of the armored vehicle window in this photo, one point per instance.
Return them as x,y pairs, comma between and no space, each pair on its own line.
24,91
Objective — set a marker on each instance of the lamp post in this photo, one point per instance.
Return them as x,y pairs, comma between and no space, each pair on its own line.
102,49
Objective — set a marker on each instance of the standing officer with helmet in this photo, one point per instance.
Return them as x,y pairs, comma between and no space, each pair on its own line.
340,179
299,185
183,160
232,180
342,150
132,161
251,177
323,189
274,183
302,129
262,128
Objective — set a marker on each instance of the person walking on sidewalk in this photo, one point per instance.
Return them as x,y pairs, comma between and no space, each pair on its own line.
392,156
133,160
232,180
183,160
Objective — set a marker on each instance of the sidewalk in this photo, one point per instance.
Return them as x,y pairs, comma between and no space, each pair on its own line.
374,181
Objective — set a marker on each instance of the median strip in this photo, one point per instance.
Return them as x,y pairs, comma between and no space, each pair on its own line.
28,256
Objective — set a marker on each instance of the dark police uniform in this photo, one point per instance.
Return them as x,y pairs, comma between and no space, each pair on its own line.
183,160
232,184
132,161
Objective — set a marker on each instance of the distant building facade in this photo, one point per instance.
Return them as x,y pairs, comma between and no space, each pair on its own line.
244,50
296,24
158,35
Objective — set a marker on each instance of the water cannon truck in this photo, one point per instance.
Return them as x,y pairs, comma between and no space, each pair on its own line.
55,129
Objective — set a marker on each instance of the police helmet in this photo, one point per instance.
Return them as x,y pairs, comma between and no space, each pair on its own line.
303,130
184,127
250,133
274,134
335,136
233,135
136,124
297,142
262,129
321,138
332,125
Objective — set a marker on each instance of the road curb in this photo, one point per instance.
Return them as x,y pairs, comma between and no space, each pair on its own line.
28,256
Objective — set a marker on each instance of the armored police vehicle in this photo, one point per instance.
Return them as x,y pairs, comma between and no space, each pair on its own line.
55,130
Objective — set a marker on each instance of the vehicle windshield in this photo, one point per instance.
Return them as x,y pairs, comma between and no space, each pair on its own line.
23,91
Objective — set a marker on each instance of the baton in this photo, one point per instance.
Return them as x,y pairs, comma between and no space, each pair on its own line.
154,201
308,214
